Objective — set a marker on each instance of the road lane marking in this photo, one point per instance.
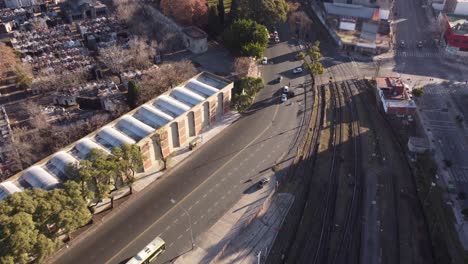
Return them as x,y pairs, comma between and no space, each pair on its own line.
175,221
179,237
168,227
196,222
194,190
170,245
204,196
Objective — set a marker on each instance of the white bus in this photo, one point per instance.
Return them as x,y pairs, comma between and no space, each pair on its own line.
150,252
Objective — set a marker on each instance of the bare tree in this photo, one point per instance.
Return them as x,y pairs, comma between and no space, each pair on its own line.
159,80
300,24
241,66
51,81
141,51
8,59
115,57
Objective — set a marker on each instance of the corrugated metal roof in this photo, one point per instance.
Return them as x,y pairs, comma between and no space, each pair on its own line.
340,9
84,146
39,178
170,105
152,116
8,188
133,127
112,138
185,95
59,163
201,88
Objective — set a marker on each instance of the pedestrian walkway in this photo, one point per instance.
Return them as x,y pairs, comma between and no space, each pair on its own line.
245,232
208,133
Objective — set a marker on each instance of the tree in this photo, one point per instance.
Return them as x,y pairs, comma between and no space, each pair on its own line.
19,236
186,12
246,37
129,160
300,24
133,94
253,49
418,92
315,67
234,10
141,51
115,57
221,11
159,80
267,12
241,66
8,60
214,27
24,76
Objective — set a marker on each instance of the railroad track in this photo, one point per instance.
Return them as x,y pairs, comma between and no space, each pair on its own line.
348,248
327,216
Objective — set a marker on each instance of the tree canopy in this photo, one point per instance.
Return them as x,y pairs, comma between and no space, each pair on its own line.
267,12
31,221
133,94
246,37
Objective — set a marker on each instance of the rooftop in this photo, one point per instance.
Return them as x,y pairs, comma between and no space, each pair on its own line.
392,87
350,10
458,23
130,128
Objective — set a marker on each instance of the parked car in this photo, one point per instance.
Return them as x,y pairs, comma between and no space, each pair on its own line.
264,60
277,40
297,70
262,182
285,89
402,44
420,44
284,97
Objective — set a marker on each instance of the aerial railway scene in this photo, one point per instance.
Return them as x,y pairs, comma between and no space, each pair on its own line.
233,131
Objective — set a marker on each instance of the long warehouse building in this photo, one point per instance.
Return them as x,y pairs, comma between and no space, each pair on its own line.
159,127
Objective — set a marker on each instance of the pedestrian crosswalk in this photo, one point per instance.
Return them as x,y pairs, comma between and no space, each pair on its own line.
420,53
459,174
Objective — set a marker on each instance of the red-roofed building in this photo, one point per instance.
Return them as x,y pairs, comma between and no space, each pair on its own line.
393,94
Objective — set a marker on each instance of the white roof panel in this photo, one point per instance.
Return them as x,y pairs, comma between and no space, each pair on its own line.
59,162
109,136
8,188
133,127
187,96
152,116
39,178
201,88
85,145
171,105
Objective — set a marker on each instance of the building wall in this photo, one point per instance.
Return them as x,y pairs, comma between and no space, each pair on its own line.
461,8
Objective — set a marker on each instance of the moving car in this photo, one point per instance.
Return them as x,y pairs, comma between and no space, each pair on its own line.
297,70
262,182
264,60
277,40
284,97
285,89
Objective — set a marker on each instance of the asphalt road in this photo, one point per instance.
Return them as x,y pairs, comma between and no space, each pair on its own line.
208,183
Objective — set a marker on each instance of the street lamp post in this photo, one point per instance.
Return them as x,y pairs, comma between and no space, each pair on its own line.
428,193
190,226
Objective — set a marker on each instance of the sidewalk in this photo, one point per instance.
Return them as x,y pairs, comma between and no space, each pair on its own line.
249,227
207,134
